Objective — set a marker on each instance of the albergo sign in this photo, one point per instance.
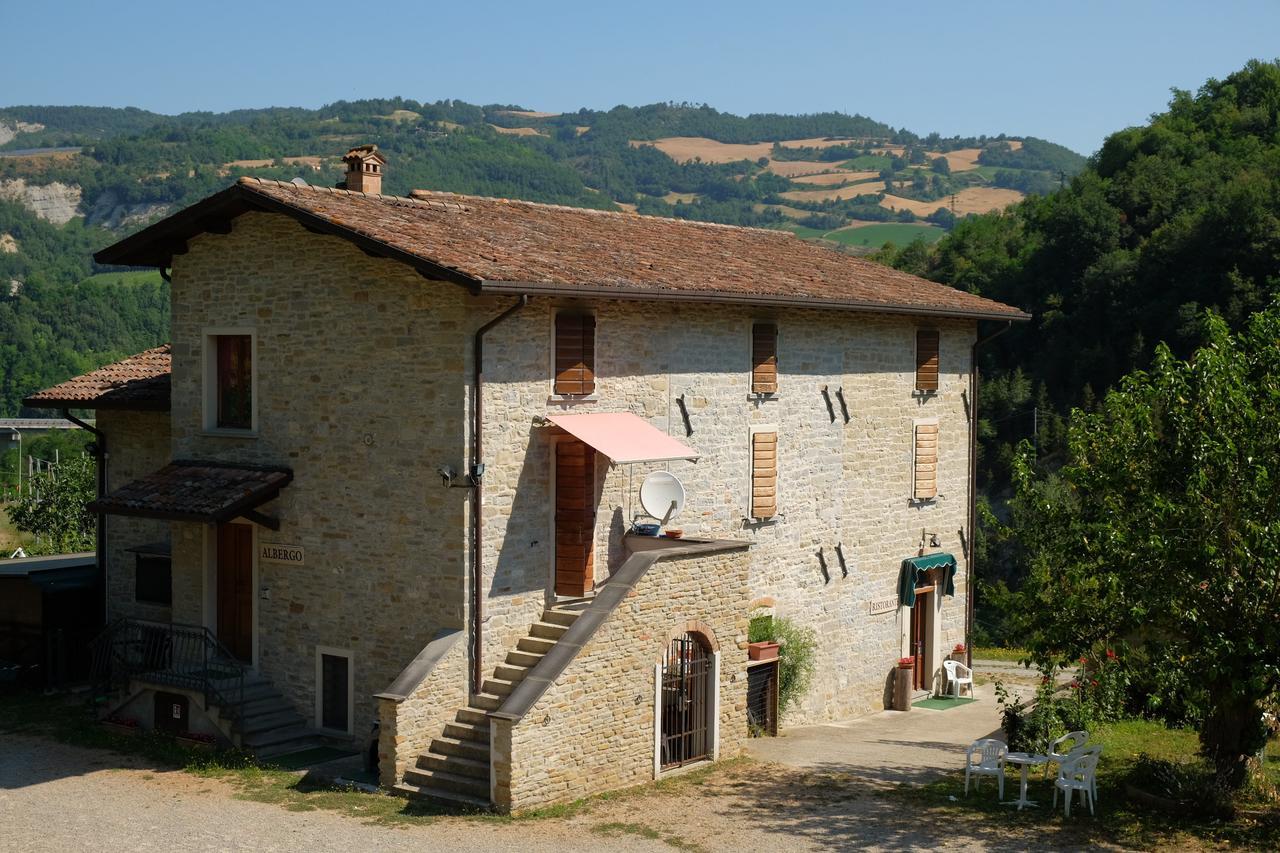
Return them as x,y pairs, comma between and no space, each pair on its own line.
269,552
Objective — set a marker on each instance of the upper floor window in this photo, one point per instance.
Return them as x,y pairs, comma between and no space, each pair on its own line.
229,397
764,358
153,579
927,360
575,354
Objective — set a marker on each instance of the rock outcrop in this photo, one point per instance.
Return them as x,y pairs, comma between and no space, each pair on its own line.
8,245
11,128
108,212
57,202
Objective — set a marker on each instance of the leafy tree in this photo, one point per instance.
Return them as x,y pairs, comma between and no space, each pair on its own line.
941,165
54,509
1161,530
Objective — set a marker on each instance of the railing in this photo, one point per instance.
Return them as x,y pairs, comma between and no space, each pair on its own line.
184,656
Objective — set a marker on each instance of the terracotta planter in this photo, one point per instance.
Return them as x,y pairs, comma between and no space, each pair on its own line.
762,650
120,728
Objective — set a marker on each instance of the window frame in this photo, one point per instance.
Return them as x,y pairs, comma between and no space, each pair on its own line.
916,423
777,358
559,396
333,651
209,379
915,351
139,558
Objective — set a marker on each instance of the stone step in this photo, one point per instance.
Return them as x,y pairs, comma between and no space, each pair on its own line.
516,657
470,767
265,705
449,798
462,748
476,716
265,753
252,693
441,780
559,617
535,645
547,630
468,731
510,672
499,686
486,701
271,737
273,720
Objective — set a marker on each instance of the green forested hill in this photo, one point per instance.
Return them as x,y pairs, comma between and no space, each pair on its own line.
110,171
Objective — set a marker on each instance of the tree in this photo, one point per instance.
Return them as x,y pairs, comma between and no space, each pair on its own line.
941,165
1161,530
54,509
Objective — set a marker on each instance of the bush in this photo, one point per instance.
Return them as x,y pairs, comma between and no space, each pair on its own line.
1033,726
796,648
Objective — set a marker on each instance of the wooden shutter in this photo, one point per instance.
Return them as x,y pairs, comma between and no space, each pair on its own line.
764,358
575,354
575,517
927,360
764,475
926,462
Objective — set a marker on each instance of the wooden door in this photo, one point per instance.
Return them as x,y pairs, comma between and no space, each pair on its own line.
920,638
235,589
575,517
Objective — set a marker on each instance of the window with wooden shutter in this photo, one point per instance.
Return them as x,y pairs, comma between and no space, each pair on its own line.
575,517
926,462
927,360
575,360
764,475
764,358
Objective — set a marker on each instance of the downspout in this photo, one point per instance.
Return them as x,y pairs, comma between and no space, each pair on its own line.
973,491
476,475
100,539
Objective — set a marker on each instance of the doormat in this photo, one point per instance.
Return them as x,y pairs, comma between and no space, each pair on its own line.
941,704
308,757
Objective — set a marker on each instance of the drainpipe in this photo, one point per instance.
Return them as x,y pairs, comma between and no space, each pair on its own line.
100,543
973,491
476,476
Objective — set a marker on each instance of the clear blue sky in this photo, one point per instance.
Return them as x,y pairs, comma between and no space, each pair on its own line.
1066,71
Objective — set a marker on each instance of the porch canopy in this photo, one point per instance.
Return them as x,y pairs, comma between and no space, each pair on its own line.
914,567
206,492
624,437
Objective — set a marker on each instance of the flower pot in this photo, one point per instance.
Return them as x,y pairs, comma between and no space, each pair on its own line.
763,650
123,729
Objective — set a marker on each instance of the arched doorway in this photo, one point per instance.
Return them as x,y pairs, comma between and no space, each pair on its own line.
687,702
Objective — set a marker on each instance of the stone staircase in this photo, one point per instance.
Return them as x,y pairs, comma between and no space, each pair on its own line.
265,723
455,769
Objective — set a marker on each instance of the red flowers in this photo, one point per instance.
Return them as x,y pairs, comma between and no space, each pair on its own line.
1111,654
1084,660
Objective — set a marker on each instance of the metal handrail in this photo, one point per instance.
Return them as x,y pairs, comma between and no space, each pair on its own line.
170,653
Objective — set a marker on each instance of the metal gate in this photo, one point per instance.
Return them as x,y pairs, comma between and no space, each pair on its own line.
686,702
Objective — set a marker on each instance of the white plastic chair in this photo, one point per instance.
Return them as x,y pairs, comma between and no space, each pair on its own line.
1078,774
1063,748
991,753
958,674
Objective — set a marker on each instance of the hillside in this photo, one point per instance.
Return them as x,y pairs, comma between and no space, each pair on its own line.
73,179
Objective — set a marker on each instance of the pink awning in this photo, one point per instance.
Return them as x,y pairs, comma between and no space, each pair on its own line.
624,437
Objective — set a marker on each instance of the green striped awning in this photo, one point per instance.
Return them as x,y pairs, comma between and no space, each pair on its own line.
914,567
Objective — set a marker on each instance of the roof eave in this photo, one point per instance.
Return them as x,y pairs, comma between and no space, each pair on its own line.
608,292
103,405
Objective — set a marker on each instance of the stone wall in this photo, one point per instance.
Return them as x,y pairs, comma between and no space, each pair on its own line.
593,729
137,444
845,485
360,387
409,722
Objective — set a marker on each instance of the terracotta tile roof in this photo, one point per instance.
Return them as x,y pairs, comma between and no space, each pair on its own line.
138,382
196,491
501,245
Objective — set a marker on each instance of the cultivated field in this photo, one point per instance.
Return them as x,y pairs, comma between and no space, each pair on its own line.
794,168
309,160
685,148
525,113
852,191
518,131
971,200
687,198
834,178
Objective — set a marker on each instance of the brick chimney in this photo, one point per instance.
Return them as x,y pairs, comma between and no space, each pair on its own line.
364,169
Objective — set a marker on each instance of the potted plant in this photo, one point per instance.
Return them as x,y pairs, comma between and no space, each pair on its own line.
958,652
762,650
126,726
908,662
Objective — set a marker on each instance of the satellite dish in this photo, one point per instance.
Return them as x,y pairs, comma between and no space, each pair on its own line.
298,182
662,495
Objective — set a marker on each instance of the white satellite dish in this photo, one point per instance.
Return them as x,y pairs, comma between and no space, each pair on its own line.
662,495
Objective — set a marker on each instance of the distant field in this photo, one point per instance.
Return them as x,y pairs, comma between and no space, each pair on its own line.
687,198
795,168
685,148
839,177
518,131
875,236
522,113
865,161
870,187
133,277
970,200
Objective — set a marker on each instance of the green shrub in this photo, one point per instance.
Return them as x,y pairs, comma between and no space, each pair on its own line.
797,646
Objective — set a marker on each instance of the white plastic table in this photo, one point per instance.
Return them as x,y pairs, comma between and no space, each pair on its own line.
1026,760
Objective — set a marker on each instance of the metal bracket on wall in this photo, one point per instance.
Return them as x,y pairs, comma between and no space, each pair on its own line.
684,413
844,569
822,564
831,410
844,407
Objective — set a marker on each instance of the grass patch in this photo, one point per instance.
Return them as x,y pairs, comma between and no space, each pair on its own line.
867,163
615,830
804,232
875,236
996,653
1118,820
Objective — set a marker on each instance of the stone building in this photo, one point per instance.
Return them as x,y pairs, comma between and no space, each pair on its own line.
406,448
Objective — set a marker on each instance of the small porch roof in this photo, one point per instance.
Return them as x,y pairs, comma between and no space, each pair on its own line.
624,437
207,492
